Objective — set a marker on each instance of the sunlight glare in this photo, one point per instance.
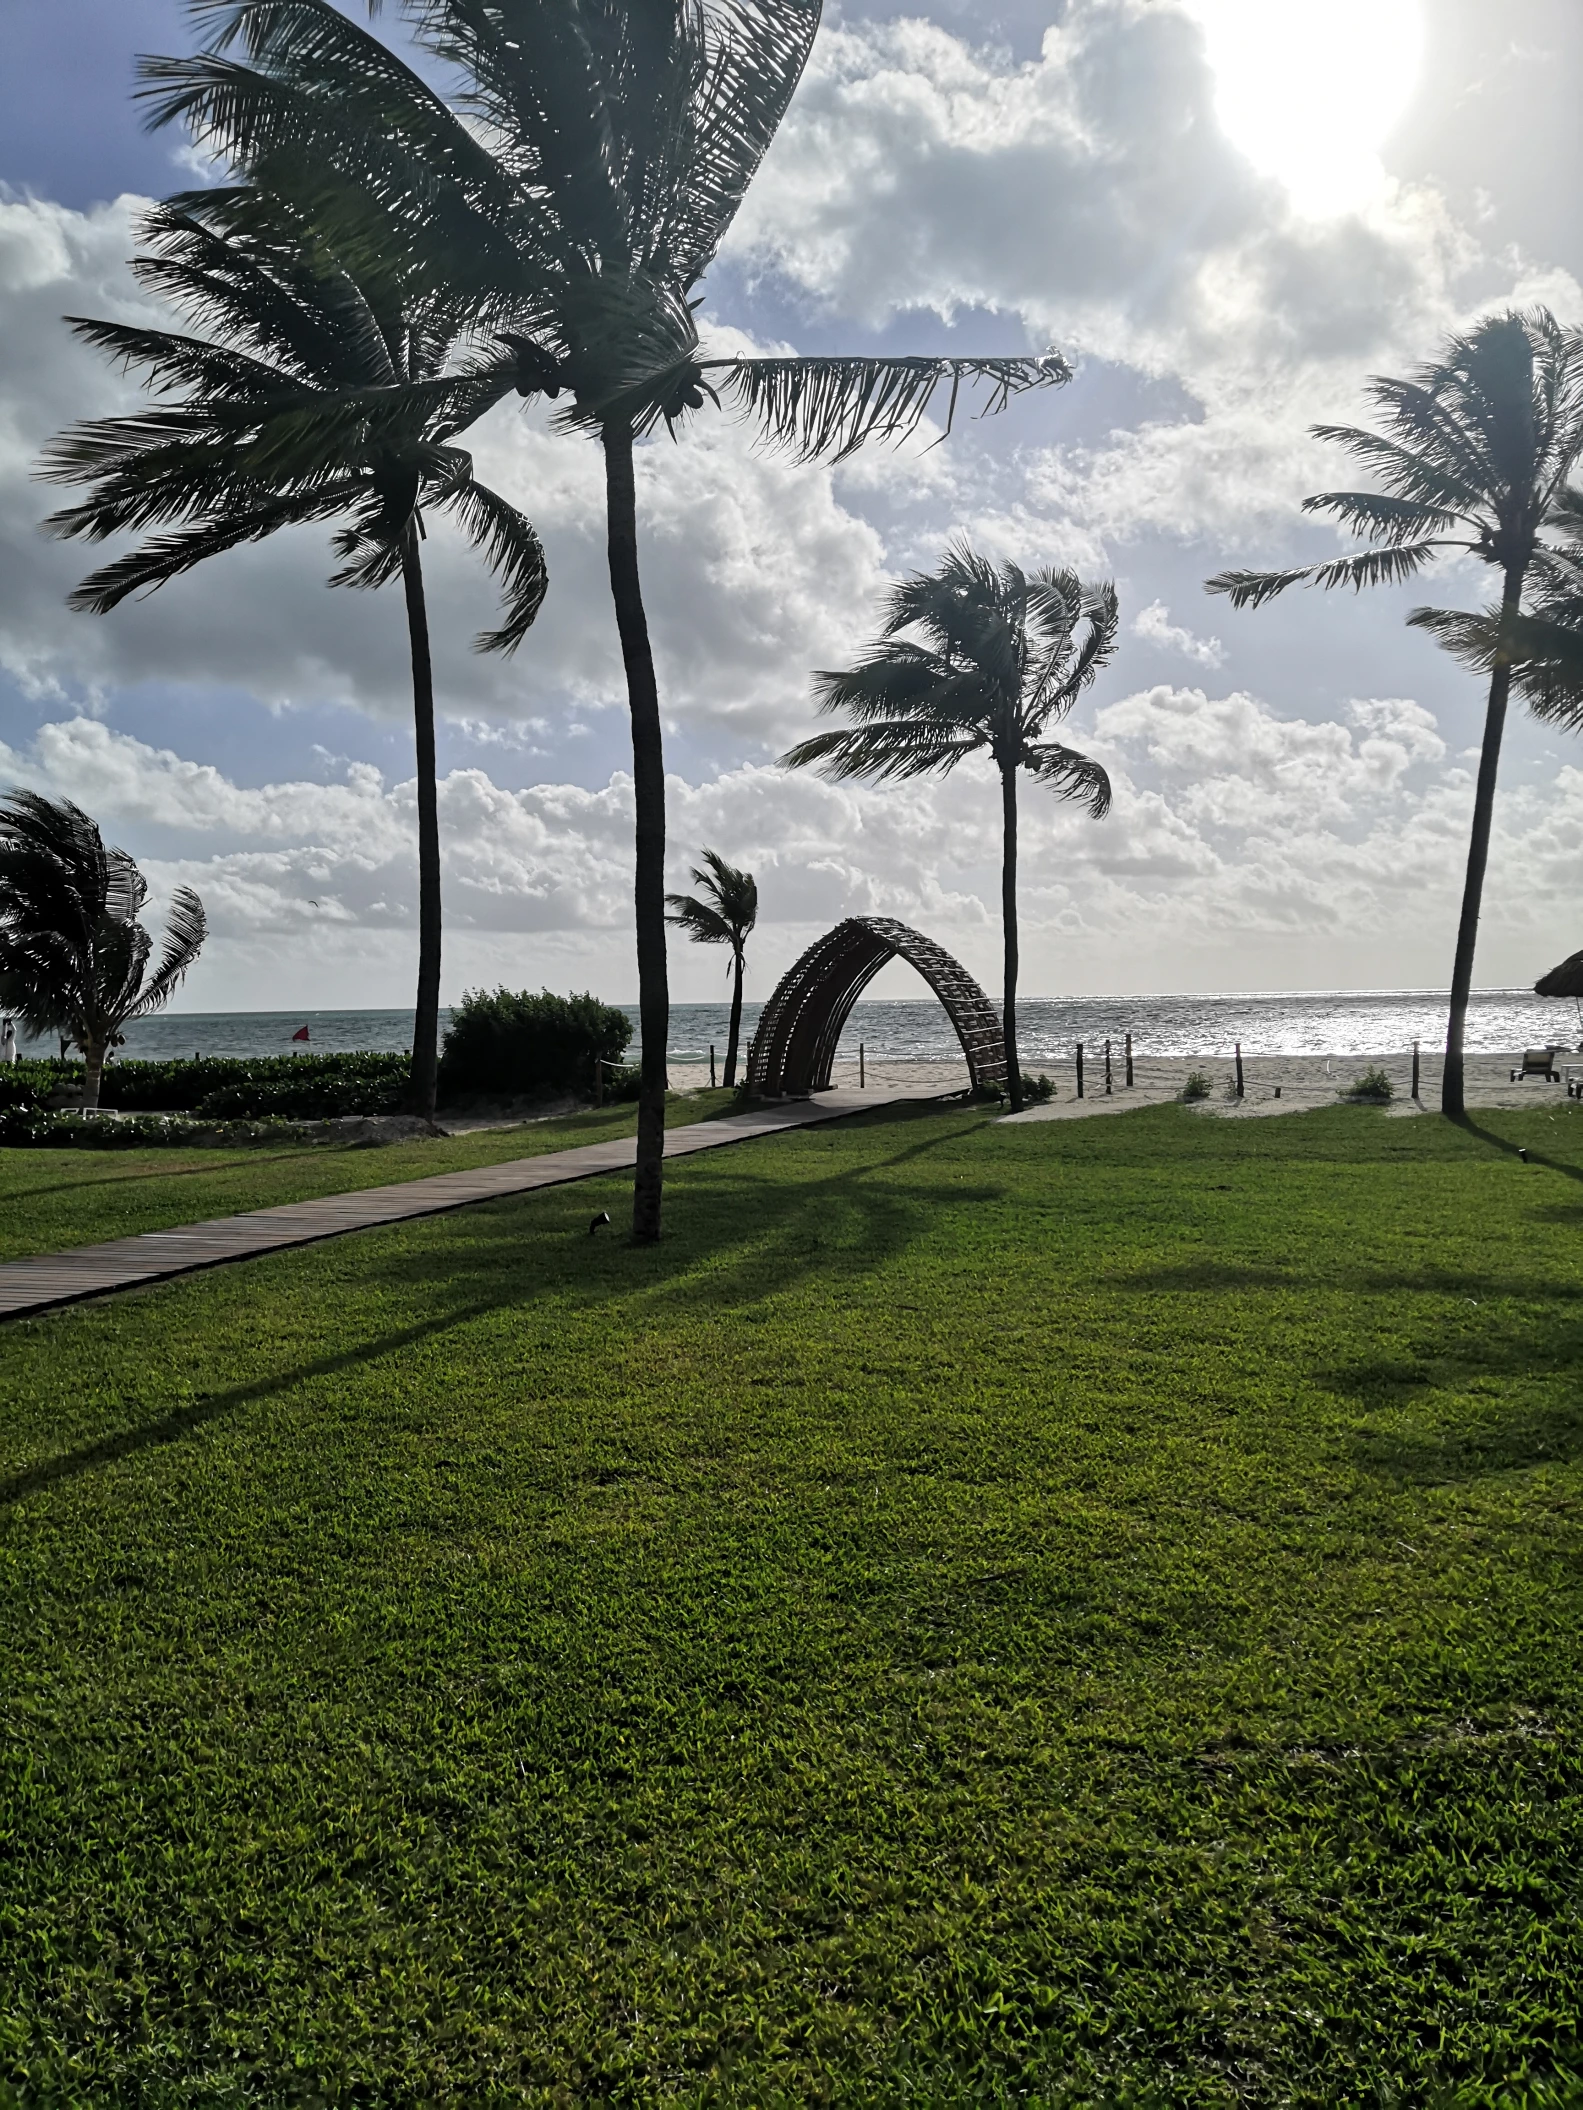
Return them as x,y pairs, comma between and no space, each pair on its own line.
1309,90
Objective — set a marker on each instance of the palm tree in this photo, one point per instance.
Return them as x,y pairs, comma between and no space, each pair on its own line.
724,917
73,955
1474,456
997,659
294,334
606,148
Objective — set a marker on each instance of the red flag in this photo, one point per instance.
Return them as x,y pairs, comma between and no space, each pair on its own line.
301,1033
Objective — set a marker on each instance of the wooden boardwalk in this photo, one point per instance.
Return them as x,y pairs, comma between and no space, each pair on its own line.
49,1279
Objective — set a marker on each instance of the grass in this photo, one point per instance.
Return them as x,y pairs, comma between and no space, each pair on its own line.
54,1198
1083,1614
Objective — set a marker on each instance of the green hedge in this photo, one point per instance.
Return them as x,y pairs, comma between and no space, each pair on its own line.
512,1044
288,1087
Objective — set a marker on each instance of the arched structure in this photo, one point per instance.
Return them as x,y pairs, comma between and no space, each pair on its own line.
795,1040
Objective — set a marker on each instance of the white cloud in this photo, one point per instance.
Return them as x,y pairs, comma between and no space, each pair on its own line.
753,569
1239,843
1153,624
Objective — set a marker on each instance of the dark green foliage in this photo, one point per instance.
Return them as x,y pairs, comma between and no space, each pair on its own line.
808,1661
1197,1085
290,1087
1037,1091
512,1044
1372,1086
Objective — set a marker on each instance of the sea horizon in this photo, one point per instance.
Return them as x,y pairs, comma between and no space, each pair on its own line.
1344,1022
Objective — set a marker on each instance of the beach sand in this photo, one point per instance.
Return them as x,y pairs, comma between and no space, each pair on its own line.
1304,1081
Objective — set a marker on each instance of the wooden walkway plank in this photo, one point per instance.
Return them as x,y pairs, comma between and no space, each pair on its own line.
46,1280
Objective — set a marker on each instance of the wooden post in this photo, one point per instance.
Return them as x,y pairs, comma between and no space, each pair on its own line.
862,1072
1129,1062
1415,1069
1080,1069
711,1065
1238,1046
1107,1070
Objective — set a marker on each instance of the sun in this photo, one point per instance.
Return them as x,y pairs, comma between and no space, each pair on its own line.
1309,90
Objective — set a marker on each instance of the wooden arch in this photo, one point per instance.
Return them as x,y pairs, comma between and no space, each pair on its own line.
795,1042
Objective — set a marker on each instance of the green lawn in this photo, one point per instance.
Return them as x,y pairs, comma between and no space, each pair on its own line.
1082,1613
50,1199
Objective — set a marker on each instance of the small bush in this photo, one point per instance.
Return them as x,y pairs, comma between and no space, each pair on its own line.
287,1087
1197,1086
513,1044
623,1082
1037,1091
1373,1088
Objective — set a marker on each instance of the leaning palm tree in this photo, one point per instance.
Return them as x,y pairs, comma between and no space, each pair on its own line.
577,198
295,335
1474,456
724,917
997,657
73,954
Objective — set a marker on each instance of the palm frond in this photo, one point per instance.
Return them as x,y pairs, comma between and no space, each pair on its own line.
1070,775
186,927
884,750
703,924
510,547
828,408
165,557
1391,520
1251,589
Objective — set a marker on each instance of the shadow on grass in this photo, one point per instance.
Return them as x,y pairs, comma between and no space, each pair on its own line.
170,1428
239,1163
1526,1151
759,1239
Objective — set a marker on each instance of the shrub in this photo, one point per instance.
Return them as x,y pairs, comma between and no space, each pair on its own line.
1374,1087
1037,1091
1197,1085
513,1044
227,1088
306,1087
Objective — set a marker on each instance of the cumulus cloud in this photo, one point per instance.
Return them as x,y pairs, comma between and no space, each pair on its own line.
754,569
1153,624
1238,843
1091,192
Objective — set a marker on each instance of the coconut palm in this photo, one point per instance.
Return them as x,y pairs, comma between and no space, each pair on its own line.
724,917
1474,456
294,334
606,147
73,955
997,657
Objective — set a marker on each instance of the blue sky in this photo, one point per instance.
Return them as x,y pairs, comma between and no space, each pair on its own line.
1292,786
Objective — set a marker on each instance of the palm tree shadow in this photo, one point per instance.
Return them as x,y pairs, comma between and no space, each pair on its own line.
1524,1151
729,1258
170,1428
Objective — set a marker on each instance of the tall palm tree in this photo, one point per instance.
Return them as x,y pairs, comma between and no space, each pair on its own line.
1474,455
606,147
724,917
294,334
73,955
997,658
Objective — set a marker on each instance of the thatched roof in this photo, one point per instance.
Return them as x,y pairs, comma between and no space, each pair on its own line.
1565,980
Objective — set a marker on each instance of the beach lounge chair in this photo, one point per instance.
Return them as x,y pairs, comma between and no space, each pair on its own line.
1538,1062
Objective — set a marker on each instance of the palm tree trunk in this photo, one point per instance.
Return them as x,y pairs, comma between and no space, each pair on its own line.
426,1016
93,1052
736,1024
1453,1101
1008,914
648,789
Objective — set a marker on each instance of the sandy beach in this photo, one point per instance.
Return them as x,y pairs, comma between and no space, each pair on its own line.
1273,1084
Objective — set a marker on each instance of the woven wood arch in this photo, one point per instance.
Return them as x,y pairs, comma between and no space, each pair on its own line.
797,1033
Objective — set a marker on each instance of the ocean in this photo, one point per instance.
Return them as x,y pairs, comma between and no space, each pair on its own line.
1317,1022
